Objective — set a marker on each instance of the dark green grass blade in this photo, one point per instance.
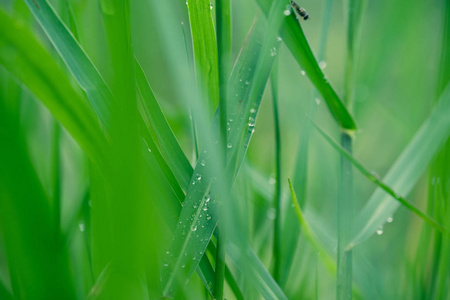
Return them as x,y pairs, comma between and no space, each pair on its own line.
75,58
277,250
297,44
162,133
25,58
38,261
205,52
383,186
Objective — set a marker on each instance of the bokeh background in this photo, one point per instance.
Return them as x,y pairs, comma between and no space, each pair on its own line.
396,87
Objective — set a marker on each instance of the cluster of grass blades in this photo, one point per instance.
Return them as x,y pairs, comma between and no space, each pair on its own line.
127,165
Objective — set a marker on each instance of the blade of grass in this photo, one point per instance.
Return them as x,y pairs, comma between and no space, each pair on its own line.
223,25
300,179
326,258
196,224
25,58
38,263
75,58
205,52
296,42
161,131
383,186
277,250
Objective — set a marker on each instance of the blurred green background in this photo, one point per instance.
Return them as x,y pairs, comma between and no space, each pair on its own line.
396,87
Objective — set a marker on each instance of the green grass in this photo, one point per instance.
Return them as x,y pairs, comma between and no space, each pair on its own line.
144,154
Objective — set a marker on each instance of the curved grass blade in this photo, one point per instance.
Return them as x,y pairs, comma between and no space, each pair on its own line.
327,260
25,58
161,131
434,132
296,42
75,58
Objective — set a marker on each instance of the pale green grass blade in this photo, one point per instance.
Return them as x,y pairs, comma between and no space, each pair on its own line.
163,135
75,58
414,159
205,52
295,40
407,169
257,273
370,175
25,58
326,258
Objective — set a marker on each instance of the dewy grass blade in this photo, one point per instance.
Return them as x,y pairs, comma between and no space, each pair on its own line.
75,58
383,186
198,217
296,42
25,58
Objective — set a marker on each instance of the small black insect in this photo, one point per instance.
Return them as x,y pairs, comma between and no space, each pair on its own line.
300,11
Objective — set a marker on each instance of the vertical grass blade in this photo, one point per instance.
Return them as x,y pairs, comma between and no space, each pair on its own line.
277,250
205,52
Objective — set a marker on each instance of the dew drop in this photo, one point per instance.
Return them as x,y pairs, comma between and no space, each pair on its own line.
81,226
229,146
272,180
252,111
287,12
322,64
194,227
317,101
380,230
203,163
303,72
211,6
198,177
390,220
273,51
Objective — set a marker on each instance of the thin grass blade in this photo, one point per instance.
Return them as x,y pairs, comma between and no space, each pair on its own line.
296,42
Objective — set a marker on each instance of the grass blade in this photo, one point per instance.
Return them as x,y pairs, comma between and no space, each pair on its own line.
198,217
25,58
205,52
161,131
75,58
327,260
296,42
384,187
